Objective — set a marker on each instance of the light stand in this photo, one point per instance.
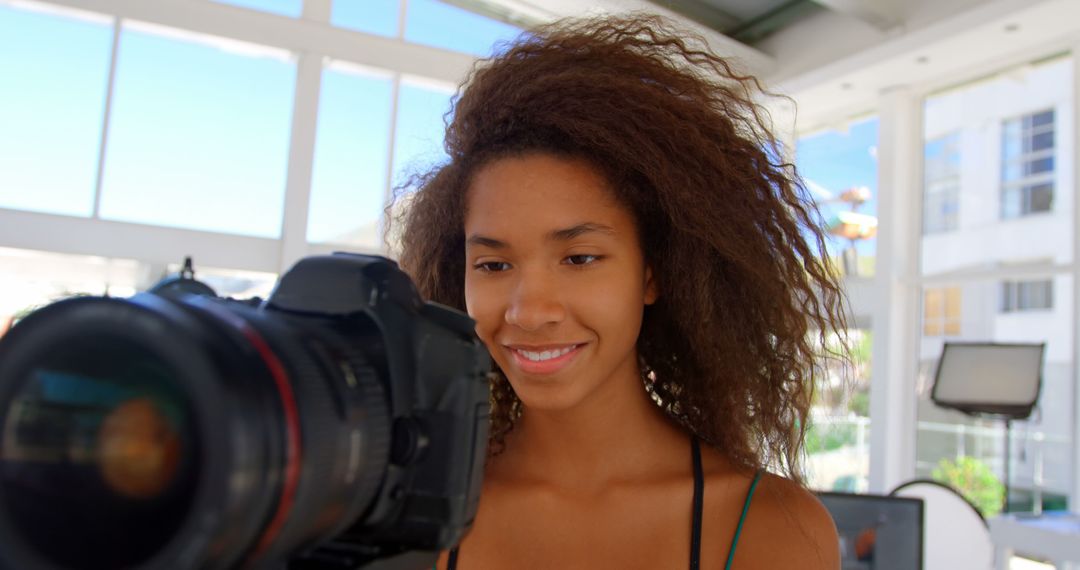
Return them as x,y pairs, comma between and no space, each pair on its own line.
990,380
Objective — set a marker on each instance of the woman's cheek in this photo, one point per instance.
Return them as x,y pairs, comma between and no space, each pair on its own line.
479,306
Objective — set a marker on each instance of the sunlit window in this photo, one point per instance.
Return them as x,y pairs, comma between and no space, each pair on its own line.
418,138
199,135
941,311
371,16
55,70
1027,295
839,167
1027,164
437,24
352,152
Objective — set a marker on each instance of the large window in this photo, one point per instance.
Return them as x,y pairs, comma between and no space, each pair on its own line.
185,133
199,133
418,140
438,24
372,16
33,279
838,438
1027,164
941,311
1027,295
55,69
839,167
352,149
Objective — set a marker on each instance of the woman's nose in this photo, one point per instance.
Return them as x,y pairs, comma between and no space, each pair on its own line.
536,302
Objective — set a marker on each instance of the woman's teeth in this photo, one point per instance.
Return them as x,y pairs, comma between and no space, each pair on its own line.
545,355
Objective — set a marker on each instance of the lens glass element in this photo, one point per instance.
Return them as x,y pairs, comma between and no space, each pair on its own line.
98,453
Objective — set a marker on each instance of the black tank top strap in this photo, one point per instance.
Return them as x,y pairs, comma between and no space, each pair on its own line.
451,564
699,500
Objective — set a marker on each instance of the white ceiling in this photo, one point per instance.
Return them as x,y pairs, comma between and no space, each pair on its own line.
948,43
837,62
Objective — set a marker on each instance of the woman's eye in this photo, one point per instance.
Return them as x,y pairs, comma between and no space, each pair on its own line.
583,259
492,266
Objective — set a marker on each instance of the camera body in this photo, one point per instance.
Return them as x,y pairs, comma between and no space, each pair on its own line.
438,402
342,423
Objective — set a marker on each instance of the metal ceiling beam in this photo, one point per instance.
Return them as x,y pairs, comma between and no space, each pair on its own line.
784,15
701,12
882,14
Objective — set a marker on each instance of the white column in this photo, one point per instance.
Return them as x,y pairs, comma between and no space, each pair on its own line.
301,158
896,306
302,145
1074,488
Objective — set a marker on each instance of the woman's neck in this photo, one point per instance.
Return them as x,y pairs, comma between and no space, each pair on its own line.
616,435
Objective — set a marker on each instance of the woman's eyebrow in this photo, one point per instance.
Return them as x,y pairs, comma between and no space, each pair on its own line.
578,230
477,239
565,234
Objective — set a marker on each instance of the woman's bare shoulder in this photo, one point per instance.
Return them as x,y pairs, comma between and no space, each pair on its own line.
787,527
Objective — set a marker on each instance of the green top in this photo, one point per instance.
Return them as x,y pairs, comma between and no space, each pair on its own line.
742,519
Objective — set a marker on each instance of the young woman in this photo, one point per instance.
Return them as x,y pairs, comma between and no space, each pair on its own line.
646,277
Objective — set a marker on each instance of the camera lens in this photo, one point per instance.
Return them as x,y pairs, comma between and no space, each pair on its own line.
99,452
189,433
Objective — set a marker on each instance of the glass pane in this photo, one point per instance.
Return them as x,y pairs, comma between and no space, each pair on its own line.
437,24
1012,171
199,136
952,303
838,439
52,105
969,453
371,16
1042,197
420,128
290,8
840,170
234,283
1042,141
33,279
1044,118
1041,165
352,151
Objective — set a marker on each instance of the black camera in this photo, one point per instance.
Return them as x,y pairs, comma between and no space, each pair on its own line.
341,423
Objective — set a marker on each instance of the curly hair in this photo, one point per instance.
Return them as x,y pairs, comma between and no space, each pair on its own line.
733,346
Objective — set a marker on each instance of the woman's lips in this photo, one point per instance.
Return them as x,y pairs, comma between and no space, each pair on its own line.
544,360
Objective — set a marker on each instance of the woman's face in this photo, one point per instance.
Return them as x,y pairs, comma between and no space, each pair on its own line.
555,278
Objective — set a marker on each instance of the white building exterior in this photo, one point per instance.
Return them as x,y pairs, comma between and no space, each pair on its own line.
974,267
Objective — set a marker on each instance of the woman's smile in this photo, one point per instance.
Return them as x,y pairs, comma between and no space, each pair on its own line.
544,359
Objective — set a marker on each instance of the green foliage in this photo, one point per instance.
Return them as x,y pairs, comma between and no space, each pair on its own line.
859,403
825,437
974,480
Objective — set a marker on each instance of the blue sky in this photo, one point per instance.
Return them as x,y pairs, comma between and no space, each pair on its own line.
836,160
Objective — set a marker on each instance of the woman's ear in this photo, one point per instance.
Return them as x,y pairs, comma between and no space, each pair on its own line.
651,291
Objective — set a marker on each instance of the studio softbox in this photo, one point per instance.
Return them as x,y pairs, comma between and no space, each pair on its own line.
989,378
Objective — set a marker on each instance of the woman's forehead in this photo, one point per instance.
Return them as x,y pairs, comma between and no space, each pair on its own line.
542,191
